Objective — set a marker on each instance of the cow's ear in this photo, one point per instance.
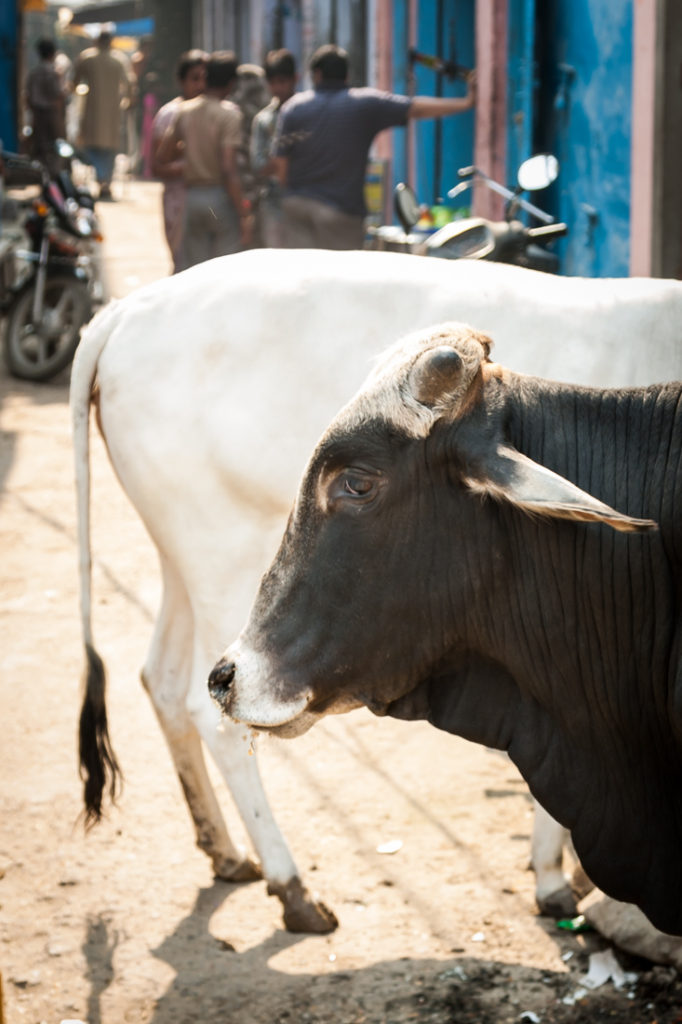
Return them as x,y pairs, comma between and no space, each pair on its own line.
507,475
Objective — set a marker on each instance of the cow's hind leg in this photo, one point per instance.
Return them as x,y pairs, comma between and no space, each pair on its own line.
230,747
553,892
166,676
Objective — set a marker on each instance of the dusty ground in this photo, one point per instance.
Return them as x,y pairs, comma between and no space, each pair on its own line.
127,924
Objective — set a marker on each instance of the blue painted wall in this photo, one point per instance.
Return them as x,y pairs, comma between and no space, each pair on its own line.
569,93
445,29
8,74
400,85
521,85
583,115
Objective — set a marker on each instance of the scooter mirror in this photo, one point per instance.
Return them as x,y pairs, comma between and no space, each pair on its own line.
406,206
538,172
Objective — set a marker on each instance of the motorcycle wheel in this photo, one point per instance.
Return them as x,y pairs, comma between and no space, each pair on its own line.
38,355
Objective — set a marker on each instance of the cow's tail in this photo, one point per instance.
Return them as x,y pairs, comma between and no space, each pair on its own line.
98,765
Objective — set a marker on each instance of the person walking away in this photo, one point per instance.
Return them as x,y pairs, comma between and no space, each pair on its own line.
321,147
46,99
191,75
141,65
280,74
150,107
217,221
64,68
251,94
110,89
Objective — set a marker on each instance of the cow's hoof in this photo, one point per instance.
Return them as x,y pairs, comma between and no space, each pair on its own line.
303,913
558,904
245,870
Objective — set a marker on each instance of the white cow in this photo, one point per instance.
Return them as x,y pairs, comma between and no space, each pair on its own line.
212,388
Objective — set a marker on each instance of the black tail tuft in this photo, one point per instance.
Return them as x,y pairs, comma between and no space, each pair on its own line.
98,765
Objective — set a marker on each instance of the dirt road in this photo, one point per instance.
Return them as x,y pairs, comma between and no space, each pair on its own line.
127,924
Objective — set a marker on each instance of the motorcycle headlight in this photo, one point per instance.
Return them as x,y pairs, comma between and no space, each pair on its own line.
83,224
78,218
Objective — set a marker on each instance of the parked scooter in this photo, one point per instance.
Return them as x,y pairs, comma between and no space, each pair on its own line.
507,241
50,269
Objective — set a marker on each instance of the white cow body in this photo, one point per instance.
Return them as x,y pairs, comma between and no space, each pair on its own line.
214,386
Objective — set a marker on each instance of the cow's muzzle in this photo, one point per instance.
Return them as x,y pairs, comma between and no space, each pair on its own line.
220,681
246,689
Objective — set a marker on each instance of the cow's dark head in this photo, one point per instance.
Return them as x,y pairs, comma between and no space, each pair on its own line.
393,548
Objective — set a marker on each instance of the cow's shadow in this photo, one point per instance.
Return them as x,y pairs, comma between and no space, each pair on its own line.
215,984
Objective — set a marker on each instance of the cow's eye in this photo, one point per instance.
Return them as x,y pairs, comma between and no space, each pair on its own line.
353,485
357,486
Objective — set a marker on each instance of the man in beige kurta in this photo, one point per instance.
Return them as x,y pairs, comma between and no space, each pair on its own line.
218,220
110,85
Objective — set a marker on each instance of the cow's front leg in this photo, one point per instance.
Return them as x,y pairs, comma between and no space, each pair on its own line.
230,862
230,749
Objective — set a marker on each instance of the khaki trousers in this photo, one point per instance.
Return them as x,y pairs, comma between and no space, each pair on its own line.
211,226
311,224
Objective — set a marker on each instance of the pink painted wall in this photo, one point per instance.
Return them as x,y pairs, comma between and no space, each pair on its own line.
381,64
381,77
643,135
411,126
491,103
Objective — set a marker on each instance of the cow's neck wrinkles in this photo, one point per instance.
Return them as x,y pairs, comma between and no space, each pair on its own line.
570,429
588,603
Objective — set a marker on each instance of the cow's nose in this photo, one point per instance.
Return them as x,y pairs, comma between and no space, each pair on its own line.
220,680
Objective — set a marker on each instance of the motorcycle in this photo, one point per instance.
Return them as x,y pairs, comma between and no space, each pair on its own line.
507,241
50,268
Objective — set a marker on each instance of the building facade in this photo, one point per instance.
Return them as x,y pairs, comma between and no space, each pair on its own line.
596,82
